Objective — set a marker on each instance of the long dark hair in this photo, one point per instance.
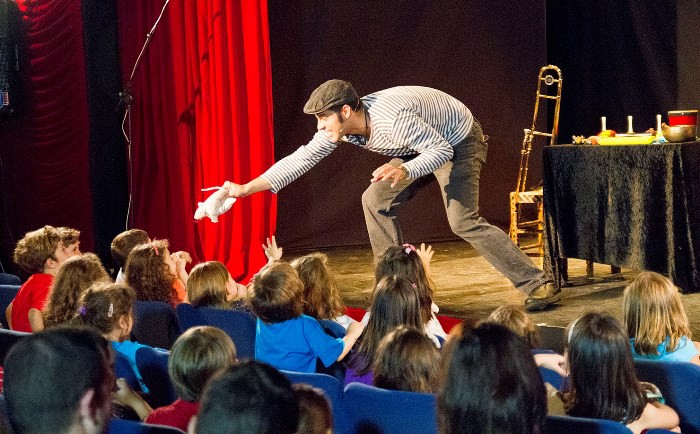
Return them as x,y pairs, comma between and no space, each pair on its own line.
603,383
492,385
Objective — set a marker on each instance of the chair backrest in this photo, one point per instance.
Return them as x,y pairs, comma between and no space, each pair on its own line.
7,294
580,425
122,369
123,426
448,322
7,339
153,366
679,383
9,279
355,313
239,325
374,410
155,324
332,328
333,390
548,375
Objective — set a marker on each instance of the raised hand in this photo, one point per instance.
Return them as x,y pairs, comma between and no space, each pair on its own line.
426,255
272,252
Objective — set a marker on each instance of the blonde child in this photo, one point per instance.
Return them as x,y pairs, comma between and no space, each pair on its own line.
155,274
41,253
210,284
285,337
406,360
321,295
122,245
108,307
74,277
655,320
515,318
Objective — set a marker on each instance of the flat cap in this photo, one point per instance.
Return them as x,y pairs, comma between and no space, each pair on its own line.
330,94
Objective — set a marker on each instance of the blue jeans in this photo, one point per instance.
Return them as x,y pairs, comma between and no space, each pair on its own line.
459,183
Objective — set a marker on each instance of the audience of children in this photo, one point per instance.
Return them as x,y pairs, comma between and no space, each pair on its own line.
248,398
518,321
410,263
491,385
315,413
321,295
285,337
108,307
155,274
122,245
210,284
395,302
406,360
655,319
603,383
41,253
74,277
59,381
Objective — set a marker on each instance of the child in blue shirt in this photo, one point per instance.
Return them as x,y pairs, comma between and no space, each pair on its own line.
286,338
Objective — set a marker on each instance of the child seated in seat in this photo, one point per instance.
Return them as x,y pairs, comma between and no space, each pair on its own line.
74,277
155,274
71,240
211,285
321,295
285,337
108,307
656,322
122,245
407,360
515,318
196,356
41,253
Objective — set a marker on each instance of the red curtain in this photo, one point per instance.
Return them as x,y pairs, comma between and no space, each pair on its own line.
202,114
45,147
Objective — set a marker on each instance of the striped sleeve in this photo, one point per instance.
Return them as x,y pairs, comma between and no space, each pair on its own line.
299,162
411,131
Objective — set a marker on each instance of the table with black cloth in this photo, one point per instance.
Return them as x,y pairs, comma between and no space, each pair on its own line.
634,206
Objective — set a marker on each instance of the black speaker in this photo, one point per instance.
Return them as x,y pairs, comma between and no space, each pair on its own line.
9,56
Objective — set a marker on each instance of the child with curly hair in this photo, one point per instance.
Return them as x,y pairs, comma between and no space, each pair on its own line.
155,274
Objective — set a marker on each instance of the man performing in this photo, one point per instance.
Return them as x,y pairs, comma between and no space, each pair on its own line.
426,131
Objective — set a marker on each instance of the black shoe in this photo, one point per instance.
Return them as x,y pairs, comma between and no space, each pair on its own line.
543,297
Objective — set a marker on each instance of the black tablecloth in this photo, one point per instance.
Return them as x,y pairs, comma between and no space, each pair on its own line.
632,206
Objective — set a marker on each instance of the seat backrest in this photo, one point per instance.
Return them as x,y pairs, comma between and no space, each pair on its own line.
679,384
448,322
122,369
374,410
155,324
123,426
239,325
153,366
580,425
7,294
355,313
332,328
7,339
333,390
548,375
9,279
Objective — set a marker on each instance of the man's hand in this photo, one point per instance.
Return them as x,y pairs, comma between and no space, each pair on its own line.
234,190
387,172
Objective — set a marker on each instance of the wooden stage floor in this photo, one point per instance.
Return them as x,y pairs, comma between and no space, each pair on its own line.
469,287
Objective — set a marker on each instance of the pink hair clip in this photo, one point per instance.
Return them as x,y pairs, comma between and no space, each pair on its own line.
156,249
409,248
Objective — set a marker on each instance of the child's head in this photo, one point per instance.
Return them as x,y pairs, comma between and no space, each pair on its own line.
40,251
315,415
515,318
125,242
321,296
74,277
403,261
210,284
108,307
395,302
276,294
652,312
196,356
603,383
151,272
407,359
492,385
71,240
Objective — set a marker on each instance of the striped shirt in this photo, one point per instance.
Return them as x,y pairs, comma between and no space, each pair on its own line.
406,121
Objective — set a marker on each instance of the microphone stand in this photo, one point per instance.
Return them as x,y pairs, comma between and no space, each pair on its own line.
125,100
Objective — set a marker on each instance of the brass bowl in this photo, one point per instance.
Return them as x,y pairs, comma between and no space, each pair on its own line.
679,133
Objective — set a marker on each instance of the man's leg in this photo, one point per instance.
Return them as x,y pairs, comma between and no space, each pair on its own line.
459,182
380,204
